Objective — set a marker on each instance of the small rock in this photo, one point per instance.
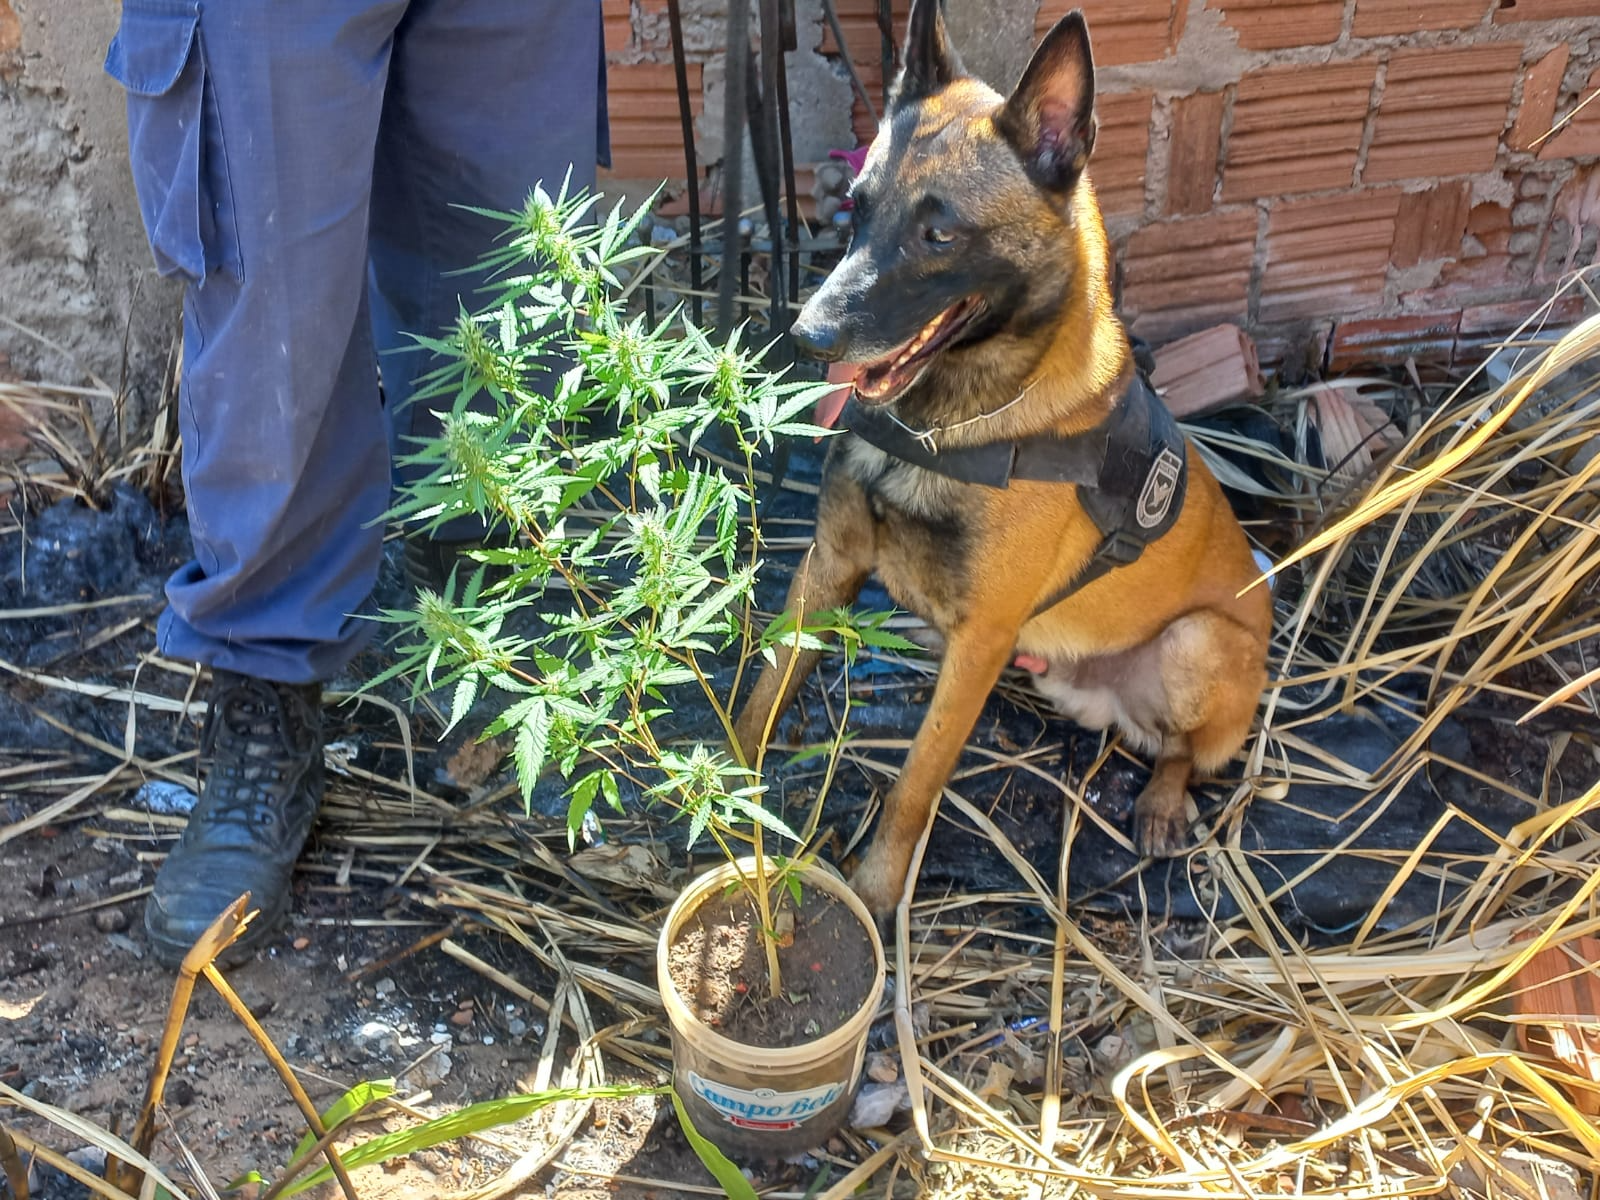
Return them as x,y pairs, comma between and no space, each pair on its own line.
91,1159
301,942
433,1070
164,799
377,1039
384,986
1112,1053
126,944
441,1039
516,1027
876,1103
461,1018
882,1068
111,920
180,1092
192,1040
488,1039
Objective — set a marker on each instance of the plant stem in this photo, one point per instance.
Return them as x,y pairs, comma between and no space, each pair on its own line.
748,622
769,932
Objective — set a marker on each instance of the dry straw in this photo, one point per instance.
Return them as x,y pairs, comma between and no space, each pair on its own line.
1458,573
1386,1064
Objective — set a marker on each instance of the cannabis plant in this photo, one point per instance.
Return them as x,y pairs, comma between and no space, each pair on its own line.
628,545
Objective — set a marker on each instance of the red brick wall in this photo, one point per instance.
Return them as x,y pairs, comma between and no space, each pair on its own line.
1372,177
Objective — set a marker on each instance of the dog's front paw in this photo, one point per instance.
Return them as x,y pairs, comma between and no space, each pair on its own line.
1161,825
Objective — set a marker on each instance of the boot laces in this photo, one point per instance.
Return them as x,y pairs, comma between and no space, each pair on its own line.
260,739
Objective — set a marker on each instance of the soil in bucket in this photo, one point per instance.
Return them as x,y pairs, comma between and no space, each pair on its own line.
719,966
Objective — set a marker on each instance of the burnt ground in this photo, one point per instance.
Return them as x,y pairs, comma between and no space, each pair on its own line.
352,989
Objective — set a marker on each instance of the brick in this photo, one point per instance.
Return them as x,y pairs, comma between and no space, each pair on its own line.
10,30
617,19
1541,87
1545,10
1199,267
1442,112
1506,317
1120,150
1297,129
1327,256
1379,18
864,44
646,134
1193,151
1123,31
1485,258
1207,369
1430,224
14,424
1380,341
1579,137
1278,24
1485,327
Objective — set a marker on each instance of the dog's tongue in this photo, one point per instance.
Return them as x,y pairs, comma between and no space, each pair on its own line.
831,405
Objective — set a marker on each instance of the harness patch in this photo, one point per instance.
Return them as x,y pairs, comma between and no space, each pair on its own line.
1160,486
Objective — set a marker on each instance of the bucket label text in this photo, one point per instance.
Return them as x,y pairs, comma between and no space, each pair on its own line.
764,1108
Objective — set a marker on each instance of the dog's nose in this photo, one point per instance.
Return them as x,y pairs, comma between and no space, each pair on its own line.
817,339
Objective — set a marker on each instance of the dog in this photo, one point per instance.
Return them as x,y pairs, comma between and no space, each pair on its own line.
1007,473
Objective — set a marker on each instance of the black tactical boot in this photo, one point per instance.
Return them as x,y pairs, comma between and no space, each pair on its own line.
261,757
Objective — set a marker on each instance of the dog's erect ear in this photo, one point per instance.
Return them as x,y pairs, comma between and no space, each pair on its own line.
930,63
1049,118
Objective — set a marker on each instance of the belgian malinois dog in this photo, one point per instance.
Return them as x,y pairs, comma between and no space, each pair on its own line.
1007,474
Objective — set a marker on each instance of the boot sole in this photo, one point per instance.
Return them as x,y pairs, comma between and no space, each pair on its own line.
170,952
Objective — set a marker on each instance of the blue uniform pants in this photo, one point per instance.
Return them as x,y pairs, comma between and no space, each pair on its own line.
297,161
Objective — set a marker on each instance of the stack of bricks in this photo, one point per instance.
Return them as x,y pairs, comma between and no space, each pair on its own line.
1355,180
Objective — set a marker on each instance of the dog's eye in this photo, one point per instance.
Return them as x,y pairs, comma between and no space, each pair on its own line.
937,235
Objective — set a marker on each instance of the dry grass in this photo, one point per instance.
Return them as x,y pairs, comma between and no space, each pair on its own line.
1458,568
1387,1064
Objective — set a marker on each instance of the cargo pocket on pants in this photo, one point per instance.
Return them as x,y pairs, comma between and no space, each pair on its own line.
174,138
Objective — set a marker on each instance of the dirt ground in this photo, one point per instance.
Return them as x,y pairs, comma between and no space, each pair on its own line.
82,1008
357,986
344,991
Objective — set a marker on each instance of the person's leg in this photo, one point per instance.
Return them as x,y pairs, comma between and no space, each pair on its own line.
285,458
486,99
252,126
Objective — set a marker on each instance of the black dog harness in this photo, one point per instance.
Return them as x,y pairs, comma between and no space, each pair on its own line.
1132,471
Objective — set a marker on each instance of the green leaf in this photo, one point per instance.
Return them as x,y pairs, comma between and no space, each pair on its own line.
728,1176
461,705
531,748
580,800
699,818
341,1110
754,812
475,1118
608,789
